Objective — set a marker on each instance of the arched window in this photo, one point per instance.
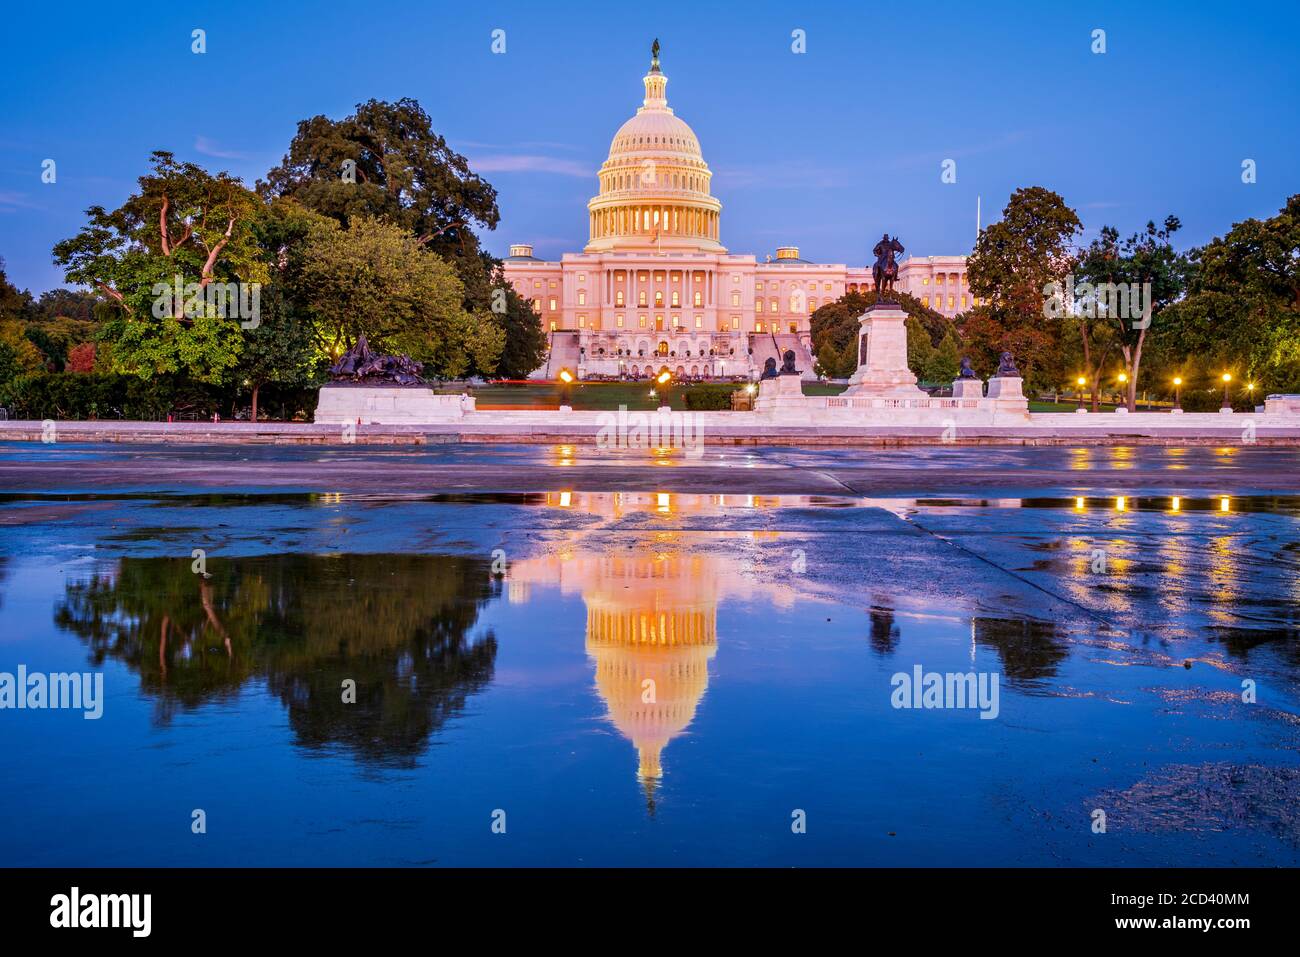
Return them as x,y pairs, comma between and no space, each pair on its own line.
663,349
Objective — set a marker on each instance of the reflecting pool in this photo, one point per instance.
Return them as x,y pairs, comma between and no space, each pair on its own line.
626,678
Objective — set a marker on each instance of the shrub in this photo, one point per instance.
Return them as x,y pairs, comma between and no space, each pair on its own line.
709,398
64,395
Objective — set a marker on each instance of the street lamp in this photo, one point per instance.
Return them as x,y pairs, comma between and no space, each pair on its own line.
566,388
1227,405
1081,382
1178,393
664,377
1250,393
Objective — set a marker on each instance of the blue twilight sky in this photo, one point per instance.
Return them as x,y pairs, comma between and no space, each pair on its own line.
825,149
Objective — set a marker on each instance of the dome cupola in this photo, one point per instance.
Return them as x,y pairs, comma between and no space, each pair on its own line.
654,187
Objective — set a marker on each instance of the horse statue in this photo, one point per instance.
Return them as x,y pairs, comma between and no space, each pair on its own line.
885,271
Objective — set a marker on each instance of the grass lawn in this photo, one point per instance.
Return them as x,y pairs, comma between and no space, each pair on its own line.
1038,406
592,396
608,396
603,396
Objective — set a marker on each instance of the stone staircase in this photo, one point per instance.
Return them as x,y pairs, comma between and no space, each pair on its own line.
563,354
761,343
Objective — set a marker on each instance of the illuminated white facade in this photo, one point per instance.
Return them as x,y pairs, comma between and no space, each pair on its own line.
655,288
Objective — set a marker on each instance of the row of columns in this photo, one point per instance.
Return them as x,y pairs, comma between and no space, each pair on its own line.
668,628
647,220
630,286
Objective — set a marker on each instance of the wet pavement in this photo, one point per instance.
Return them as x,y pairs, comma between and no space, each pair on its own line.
654,660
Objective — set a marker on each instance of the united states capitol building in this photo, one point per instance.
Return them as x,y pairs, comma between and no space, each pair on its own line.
655,287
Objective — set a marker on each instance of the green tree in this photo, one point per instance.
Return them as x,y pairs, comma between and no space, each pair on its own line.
183,226
281,348
932,340
376,279
18,356
945,362
386,161
15,303
1015,262
1151,270
834,329
284,347
1242,309
524,348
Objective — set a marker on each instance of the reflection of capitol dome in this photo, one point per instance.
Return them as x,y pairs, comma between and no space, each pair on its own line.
652,628
654,187
652,610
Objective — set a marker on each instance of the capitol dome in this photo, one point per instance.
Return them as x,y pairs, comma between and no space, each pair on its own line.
654,187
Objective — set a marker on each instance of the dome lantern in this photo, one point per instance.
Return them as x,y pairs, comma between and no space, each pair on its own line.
654,187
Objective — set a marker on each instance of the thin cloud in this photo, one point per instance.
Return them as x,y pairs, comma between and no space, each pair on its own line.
776,176
938,156
506,163
9,201
524,144
211,148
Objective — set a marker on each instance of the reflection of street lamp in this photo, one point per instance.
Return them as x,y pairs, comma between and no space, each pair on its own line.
1081,382
1178,393
1227,405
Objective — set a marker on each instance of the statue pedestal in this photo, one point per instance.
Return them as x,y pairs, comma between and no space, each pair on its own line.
882,355
968,388
782,394
1007,394
343,403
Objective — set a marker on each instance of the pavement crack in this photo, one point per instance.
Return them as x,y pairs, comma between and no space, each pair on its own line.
1088,612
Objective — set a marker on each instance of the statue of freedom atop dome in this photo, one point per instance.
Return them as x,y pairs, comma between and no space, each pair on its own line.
885,271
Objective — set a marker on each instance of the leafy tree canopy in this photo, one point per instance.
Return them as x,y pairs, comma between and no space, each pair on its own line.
376,279
183,225
385,161
1242,310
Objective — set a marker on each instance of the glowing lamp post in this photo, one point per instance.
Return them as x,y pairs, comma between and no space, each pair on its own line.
1178,393
661,381
1081,382
566,389
1227,404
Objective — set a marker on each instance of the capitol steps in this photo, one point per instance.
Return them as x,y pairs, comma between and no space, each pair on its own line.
763,348
563,355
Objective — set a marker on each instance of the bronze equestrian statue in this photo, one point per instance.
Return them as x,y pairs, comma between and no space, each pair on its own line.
885,271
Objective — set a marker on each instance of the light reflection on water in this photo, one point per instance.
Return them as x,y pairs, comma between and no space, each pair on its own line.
633,654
